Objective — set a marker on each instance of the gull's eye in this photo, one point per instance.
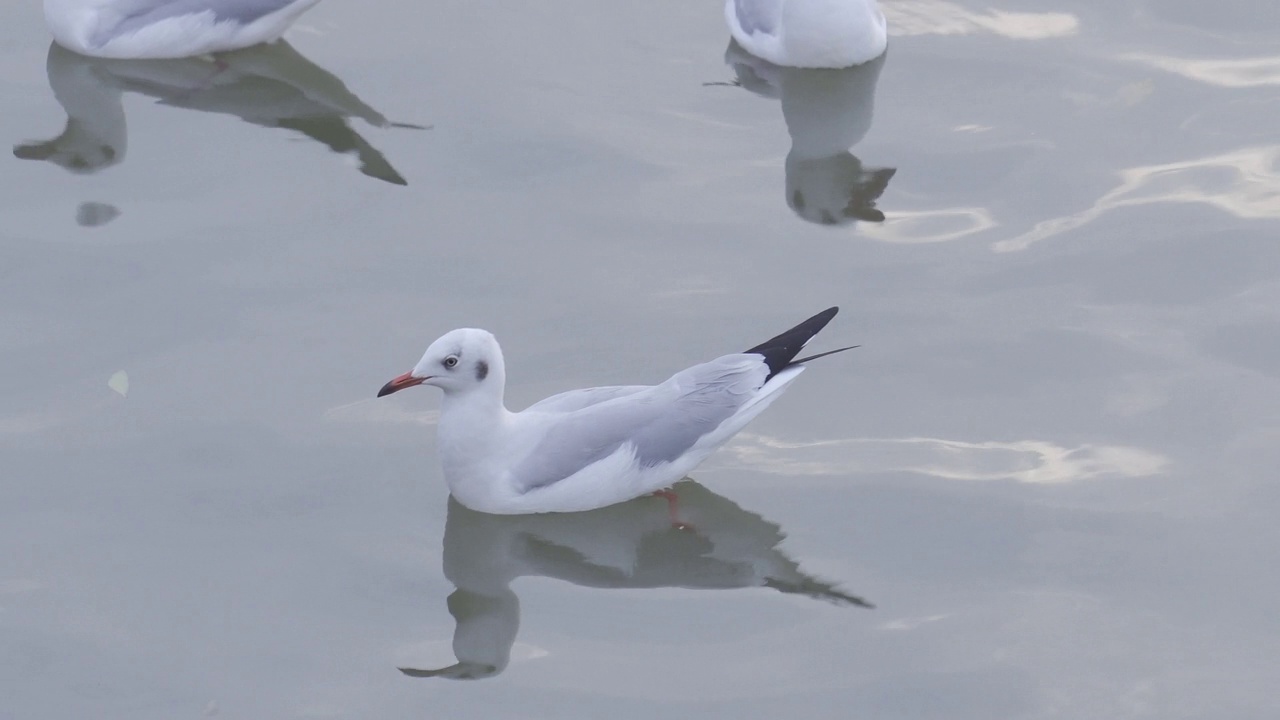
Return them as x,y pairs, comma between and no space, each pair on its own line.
451,362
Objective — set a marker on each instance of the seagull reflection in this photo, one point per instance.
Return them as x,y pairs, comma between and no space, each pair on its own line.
635,544
827,112
269,85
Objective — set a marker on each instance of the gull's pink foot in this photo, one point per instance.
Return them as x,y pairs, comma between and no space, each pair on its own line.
673,509
219,66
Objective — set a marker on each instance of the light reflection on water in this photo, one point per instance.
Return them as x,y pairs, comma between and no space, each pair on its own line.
1223,72
938,17
1244,183
1026,461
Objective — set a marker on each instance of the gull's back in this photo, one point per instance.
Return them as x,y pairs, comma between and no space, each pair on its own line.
658,424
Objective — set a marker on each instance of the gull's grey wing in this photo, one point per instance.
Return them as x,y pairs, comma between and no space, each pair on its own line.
758,16
136,14
579,399
660,422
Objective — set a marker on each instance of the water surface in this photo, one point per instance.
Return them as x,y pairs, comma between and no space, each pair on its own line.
1049,467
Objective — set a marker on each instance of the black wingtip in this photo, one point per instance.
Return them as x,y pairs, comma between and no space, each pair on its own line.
806,359
781,350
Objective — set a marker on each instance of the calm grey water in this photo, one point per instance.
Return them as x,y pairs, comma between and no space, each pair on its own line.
1050,467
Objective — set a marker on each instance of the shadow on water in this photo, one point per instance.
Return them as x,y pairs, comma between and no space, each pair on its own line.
827,113
716,545
272,85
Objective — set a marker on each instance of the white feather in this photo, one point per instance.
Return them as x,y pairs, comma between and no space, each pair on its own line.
113,29
809,33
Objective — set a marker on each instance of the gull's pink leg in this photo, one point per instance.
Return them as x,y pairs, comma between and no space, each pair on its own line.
673,509
219,66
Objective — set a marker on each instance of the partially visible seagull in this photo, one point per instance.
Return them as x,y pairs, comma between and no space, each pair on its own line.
589,448
168,28
809,33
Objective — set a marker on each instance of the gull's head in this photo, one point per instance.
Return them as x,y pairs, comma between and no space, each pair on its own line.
460,361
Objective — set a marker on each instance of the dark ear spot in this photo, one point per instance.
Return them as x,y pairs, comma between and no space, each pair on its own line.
482,370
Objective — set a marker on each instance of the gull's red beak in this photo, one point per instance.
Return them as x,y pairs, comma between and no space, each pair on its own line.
401,382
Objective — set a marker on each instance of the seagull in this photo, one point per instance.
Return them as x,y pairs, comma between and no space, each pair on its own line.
590,448
809,33
138,29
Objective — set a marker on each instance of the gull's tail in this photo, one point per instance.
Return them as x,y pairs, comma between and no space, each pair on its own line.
780,352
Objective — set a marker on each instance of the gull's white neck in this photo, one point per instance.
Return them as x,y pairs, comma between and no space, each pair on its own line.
475,409
473,425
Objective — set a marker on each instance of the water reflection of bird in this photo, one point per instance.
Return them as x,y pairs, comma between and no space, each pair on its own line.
630,545
827,112
168,28
808,33
269,85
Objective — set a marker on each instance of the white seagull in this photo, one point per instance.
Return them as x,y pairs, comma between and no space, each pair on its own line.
589,448
168,28
809,33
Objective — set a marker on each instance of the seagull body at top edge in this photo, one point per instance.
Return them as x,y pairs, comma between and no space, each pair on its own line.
168,28
809,33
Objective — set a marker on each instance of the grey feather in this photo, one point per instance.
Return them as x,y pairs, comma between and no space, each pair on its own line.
586,397
137,14
758,16
661,422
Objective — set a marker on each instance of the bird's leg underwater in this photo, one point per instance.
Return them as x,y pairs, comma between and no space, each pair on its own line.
219,66
673,509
